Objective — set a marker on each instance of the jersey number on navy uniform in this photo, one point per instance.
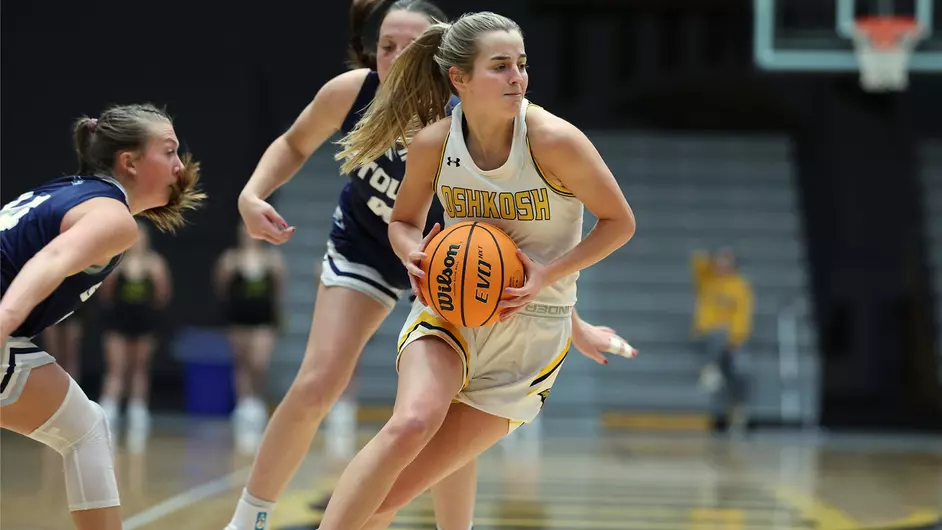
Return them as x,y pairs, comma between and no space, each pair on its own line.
383,183
11,214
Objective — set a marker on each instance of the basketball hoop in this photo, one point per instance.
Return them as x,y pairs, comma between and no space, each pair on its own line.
883,46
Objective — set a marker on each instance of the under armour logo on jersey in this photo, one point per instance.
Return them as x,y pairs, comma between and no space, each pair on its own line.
456,160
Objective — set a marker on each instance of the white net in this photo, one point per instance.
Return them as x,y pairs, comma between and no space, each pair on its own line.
883,54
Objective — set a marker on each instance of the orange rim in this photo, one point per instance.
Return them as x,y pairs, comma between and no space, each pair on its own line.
887,32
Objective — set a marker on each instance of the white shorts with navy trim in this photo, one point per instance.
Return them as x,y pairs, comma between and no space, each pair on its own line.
18,358
337,270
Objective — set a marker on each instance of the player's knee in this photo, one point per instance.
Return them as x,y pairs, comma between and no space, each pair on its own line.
116,368
79,432
259,364
415,425
317,391
141,363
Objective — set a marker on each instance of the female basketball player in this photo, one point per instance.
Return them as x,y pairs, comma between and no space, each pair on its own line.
249,281
501,374
59,242
133,296
361,275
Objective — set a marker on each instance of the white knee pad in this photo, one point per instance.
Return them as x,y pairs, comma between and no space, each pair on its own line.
79,432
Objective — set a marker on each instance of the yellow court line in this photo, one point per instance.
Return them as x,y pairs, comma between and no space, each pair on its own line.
294,509
919,518
587,512
827,516
586,524
650,421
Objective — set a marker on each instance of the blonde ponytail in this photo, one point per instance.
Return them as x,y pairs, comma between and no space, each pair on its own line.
418,88
413,95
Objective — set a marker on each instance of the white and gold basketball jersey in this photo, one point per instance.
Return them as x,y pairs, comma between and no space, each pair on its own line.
542,217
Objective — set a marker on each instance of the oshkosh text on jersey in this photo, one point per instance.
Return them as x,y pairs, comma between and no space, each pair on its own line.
527,205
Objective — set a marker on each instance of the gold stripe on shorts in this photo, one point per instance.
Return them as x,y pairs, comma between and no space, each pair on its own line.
551,368
443,329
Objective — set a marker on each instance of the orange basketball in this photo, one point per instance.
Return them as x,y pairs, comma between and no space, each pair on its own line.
467,268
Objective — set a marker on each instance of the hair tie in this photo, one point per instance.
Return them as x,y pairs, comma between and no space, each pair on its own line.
93,124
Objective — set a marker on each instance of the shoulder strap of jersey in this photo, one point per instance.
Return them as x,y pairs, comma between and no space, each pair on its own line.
86,188
364,97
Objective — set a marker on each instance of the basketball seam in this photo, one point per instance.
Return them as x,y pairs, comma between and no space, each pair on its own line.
500,256
464,271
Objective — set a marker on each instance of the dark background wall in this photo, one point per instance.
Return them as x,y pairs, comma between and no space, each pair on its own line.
235,77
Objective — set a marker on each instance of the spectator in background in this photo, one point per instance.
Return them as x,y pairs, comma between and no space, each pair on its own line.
722,324
249,281
133,297
65,340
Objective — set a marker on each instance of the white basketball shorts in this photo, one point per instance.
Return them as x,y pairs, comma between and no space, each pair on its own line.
509,367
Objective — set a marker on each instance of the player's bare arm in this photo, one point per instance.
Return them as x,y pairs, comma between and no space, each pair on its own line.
93,233
568,157
322,117
416,192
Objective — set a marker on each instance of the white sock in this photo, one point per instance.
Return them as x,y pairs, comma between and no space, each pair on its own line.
110,407
138,415
251,513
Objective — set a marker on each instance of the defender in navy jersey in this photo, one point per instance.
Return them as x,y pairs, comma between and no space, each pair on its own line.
31,222
359,235
58,242
361,277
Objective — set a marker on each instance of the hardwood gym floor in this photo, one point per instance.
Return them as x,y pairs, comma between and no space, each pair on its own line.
189,478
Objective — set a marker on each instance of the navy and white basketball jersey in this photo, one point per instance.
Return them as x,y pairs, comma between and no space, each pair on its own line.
361,221
29,223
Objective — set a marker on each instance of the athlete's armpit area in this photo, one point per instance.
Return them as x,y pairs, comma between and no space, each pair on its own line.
566,155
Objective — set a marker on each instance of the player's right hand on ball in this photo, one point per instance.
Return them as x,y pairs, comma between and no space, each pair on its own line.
262,221
414,263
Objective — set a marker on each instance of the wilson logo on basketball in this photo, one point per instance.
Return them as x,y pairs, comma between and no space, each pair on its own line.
444,280
469,265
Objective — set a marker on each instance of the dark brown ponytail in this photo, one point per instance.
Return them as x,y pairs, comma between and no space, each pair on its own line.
362,53
366,17
82,132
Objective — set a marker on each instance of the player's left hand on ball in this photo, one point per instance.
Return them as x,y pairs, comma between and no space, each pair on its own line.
414,263
515,299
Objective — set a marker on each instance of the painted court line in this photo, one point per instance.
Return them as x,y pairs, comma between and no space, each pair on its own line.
186,498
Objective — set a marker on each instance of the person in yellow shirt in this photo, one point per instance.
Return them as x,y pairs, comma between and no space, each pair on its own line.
722,324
